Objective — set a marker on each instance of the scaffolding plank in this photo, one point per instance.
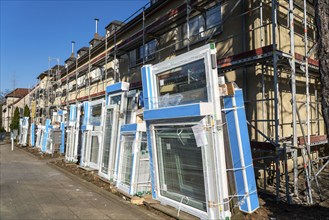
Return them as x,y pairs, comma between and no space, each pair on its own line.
254,56
315,140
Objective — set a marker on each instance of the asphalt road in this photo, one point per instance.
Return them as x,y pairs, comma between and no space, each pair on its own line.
32,189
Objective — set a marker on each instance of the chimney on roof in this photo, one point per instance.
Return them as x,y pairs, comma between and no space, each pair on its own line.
96,24
72,48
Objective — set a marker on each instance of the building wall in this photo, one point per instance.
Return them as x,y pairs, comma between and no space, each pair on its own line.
237,34
9,112
10,106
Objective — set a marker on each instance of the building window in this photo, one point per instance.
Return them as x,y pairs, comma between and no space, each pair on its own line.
196,26
201,26
132,57
96,74
213,17
148,52
81,81
71,86
182,85
95,115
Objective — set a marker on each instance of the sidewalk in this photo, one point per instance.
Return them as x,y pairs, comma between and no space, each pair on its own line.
31,189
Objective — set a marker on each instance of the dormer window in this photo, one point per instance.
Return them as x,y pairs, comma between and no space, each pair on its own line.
112,27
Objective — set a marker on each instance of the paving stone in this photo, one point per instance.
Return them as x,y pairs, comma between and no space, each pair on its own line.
31,189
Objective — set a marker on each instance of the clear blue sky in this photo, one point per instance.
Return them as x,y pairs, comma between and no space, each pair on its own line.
32,31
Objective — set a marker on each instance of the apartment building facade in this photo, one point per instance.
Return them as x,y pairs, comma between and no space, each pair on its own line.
254,45
17,98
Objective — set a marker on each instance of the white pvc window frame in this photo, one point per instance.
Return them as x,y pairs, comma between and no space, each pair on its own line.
93,104
212,81
133,95
120,175
208,179
131,188
70,144
98,135
89,134
114,130
117,121
84,149
49,142
217,190
76,133
40,136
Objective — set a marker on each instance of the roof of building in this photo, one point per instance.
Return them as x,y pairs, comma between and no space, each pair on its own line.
18,93
115,22
82,49
71,58
41,75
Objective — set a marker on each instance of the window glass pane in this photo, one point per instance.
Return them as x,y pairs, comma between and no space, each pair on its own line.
129,109
94,149
194,26
149,50
213,17
127,158
132,57
183,85
180,166
143,164
115,100
107,141
95,115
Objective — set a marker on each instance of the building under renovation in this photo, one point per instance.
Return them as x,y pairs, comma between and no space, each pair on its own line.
265,47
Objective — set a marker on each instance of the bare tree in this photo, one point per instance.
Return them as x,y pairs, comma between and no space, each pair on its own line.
322,23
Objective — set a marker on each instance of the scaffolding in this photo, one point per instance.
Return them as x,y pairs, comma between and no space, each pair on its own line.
273,145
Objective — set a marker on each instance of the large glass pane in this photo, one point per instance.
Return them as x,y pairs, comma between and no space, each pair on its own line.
143,165
130,105
94,149
183,85
126,158
115,100
107,141
95,115
213,17
83,140
180,166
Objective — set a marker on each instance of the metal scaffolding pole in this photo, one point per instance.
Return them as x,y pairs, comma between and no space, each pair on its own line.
58,78
115,57
76,80
263,76
308,131
89,69
67,88
105,65
275,71
144,49
276,91
293,94
188,10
